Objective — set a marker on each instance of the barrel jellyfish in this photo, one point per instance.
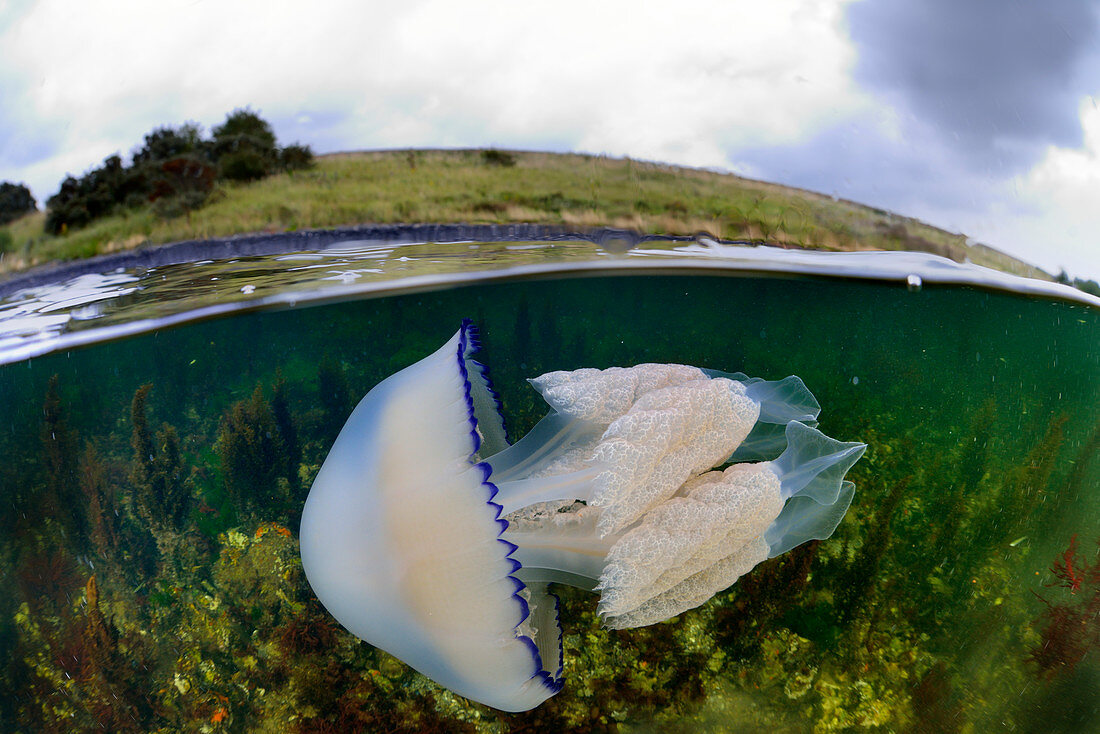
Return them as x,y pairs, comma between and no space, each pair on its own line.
429,536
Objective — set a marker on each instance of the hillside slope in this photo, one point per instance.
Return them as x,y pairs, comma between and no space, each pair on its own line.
486,187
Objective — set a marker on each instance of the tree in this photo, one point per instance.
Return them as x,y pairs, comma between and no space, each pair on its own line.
15,201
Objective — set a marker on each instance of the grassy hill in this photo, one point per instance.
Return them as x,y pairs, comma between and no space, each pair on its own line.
475,186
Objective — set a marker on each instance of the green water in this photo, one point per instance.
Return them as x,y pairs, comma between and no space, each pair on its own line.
933,608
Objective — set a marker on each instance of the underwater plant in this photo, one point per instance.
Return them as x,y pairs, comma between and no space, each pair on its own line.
1071,629
248,444
61,499
290,454
428,535
102,506
161,485
334,394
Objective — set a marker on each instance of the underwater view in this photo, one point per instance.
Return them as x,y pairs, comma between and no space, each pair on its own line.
161,429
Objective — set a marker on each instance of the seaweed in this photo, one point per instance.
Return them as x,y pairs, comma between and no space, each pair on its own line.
162,487
1024,498
102,506
61,495
936,704
965,466
1086,457
109,671
47,578
306,634
248,446
521,332
1071,627
334,395
917,615
858,581
764,596
290,449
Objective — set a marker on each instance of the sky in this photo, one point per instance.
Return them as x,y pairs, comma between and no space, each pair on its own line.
981,117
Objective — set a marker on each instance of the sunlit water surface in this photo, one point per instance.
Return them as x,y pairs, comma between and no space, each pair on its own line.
160,427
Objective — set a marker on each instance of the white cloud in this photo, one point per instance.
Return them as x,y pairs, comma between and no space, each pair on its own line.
682,83
1068,180
1052,217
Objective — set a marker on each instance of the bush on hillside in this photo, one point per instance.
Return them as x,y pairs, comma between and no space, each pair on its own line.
15,201
176,169
244,146
182,185
494,157
296,157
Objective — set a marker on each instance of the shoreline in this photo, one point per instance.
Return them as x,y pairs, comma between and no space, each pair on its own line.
262,244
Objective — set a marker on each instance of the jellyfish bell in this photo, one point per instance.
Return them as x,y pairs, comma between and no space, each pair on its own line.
427,535
400,540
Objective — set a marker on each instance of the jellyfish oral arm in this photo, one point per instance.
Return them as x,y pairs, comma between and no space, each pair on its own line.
716,527
651,427
559,543
575,485
626,458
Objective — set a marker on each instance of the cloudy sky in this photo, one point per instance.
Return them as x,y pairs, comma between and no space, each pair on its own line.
981,117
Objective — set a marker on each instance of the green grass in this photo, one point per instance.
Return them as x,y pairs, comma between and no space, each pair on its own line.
575,191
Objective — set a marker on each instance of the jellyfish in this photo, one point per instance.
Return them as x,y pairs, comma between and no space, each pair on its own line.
428,535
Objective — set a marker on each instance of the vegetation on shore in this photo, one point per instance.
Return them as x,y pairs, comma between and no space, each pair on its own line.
175,171
490,186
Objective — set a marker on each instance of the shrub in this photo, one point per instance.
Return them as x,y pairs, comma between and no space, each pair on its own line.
494,157
15,201
166,143
182,184
243,165
244,123
176,169
296,157
244,146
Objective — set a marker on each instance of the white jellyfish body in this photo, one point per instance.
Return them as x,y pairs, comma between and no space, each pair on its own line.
401,542
428,536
